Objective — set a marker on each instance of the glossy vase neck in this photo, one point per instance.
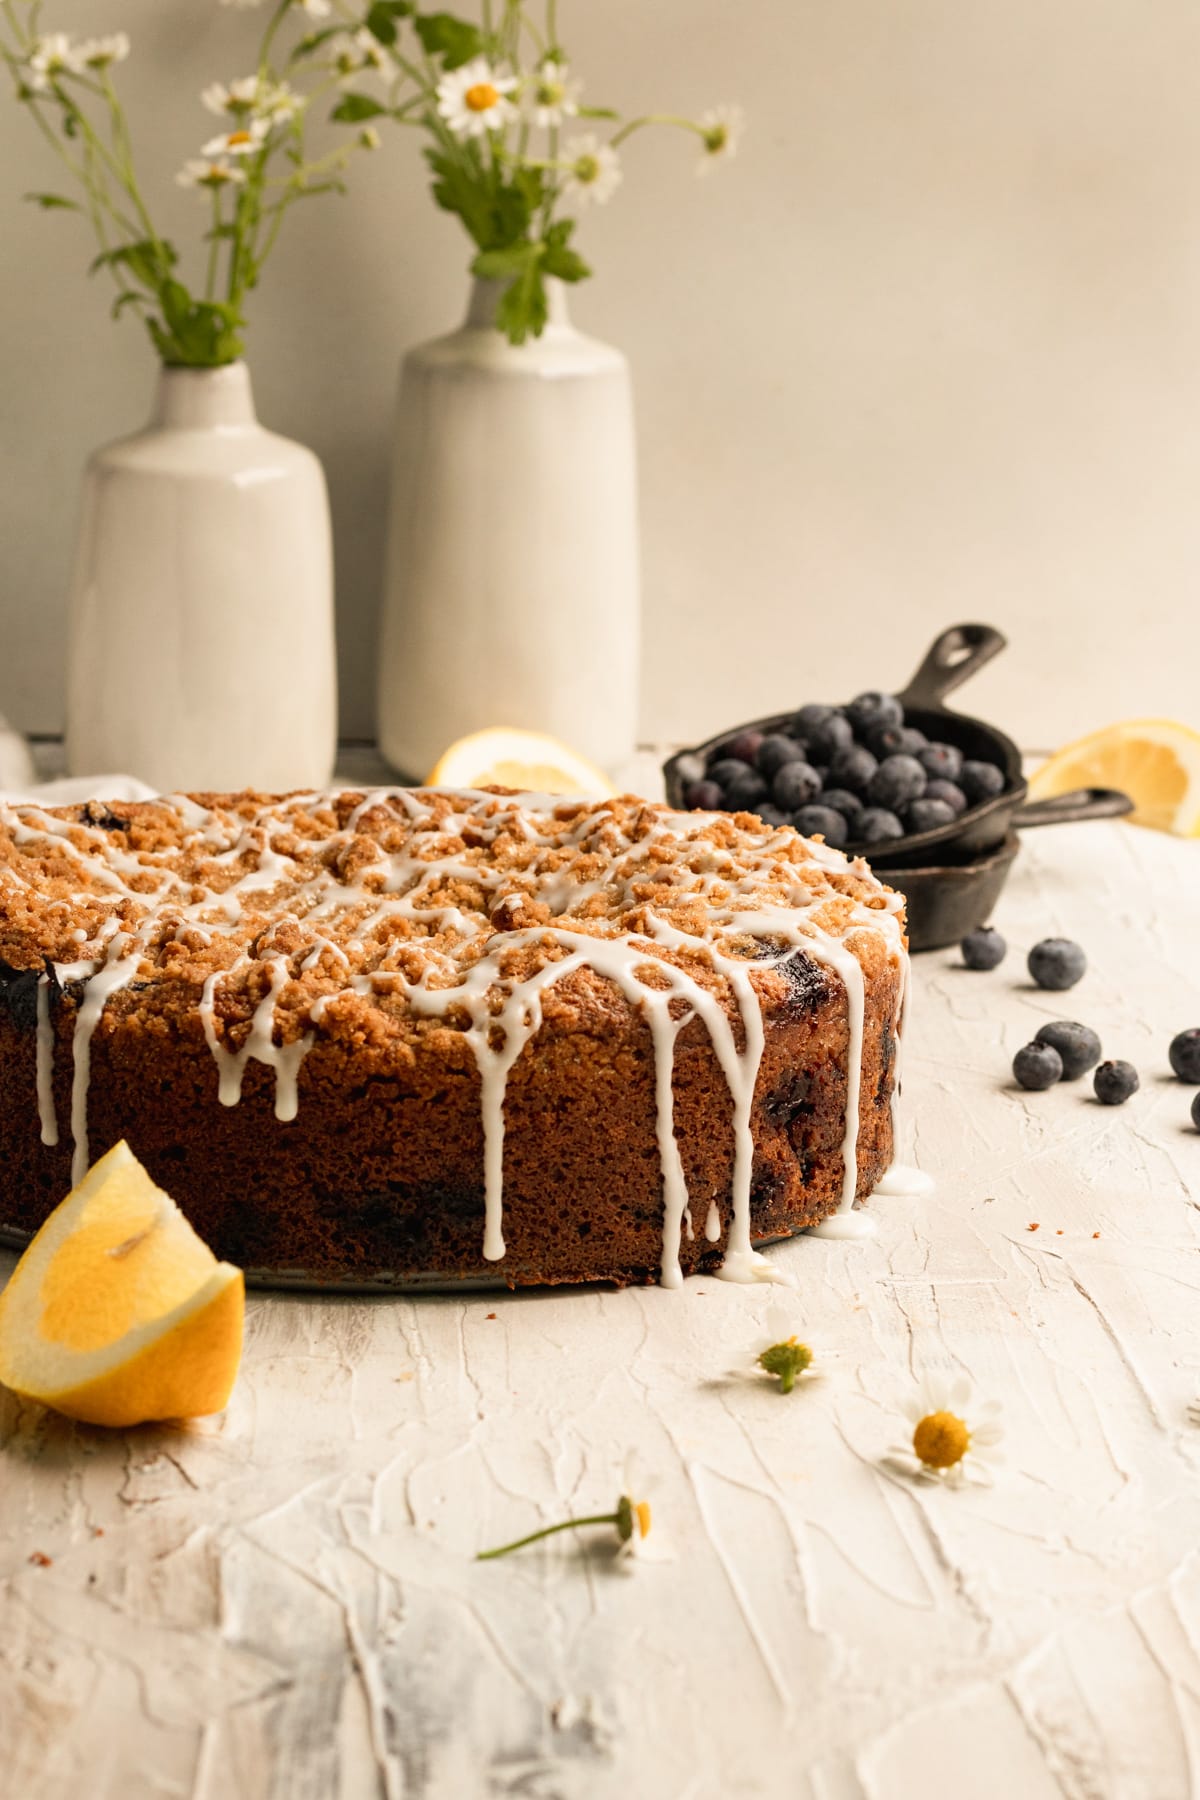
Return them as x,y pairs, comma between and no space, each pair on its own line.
486,297
204,399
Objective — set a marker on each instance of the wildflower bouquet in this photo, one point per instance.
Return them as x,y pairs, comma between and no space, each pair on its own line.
252,169
501,107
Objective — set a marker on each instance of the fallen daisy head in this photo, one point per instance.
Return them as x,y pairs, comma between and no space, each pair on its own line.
783,1356
955,1435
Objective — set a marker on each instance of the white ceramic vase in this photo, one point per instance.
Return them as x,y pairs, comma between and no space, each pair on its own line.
201,647
512,575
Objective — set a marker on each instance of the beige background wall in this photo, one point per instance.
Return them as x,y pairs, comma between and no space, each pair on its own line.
928,350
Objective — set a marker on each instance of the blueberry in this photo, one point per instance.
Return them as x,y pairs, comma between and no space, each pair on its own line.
742,786
827,738
869,711
1196,1112
878,826
983,948
895,782
1114,1082
771,815
1078,1046
1056,963
704,796
942,762
843,801
954,797
927,815
1037,1066
981,781
795,785
822,821
810,717
852,768
896,740
745,746
689,768
776,750
1185,1055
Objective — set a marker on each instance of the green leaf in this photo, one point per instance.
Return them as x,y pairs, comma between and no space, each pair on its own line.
522,311
568,265
314,40
352,109
501,265
495,213
454,40
48,202
597,112
381,20
128,298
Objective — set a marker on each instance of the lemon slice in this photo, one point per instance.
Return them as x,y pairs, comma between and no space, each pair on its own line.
505,757
1155,761
117,1313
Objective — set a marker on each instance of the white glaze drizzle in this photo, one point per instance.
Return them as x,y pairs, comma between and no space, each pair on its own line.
47,1116
504,1013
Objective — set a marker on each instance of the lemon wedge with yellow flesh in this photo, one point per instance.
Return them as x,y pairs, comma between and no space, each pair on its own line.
117,1313
527,760
1155,761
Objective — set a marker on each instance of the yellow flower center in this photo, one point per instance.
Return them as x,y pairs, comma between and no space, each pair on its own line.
237,138
941,1440
482,97
550,93
642,1509
716,139
587,168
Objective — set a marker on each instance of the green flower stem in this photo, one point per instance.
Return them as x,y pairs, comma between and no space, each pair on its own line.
640,124
214,249
276,20
545,1532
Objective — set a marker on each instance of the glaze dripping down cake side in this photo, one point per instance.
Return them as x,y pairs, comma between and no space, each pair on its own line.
418,1035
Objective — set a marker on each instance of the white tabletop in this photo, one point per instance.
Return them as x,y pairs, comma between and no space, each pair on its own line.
283,1602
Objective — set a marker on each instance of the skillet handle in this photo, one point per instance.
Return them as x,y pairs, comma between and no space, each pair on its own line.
1084,803
952,659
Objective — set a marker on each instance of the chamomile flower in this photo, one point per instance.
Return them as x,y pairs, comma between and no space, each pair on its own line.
369,138
359,53
782,1355
475,98
595,171
630,1519
551,94
102,52
246,137
955,1437
236,97
721,128
209,172
51,55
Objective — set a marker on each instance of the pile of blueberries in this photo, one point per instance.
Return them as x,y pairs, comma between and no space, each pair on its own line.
1064,1050
854,775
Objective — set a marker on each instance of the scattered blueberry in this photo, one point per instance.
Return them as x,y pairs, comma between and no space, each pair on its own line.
1056,963
980,781
895,782
831,735
689,769
928,815
823,821
1078,1046
1196,1112
742,786
983,948
745,746
1114,1082
878,826
771,815
1037,1066
795,785
866,712
941,762
852,768
843,801
774,751
704,796
1185,1055
810,717
954,797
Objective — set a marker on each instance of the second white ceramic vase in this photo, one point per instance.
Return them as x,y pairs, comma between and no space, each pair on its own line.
201,646
512,593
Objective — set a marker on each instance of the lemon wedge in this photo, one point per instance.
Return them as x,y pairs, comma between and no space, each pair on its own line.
1155,761
117,1312
505,757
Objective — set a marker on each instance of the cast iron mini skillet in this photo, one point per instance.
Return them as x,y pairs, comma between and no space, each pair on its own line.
951,876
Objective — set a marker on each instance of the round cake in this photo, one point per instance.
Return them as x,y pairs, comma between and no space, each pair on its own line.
421,1036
